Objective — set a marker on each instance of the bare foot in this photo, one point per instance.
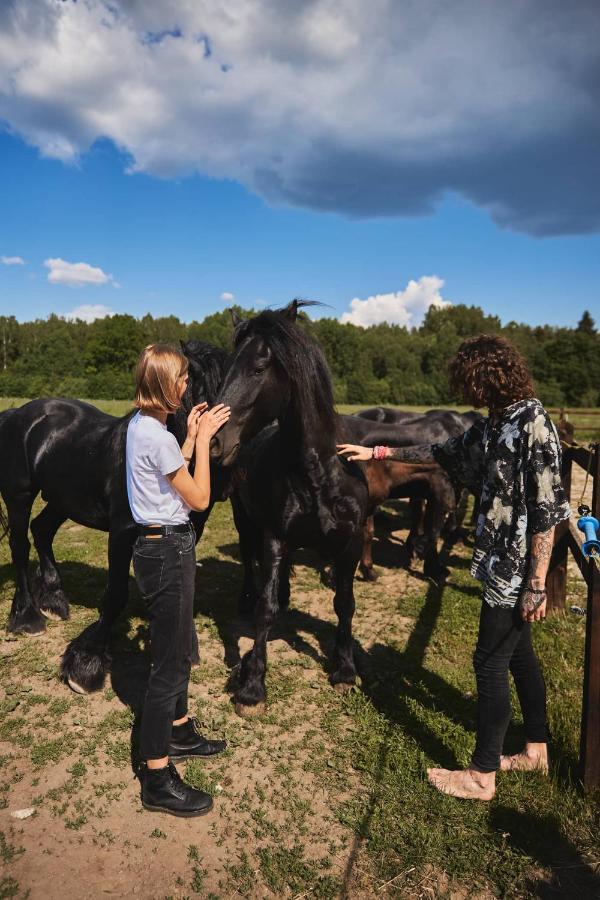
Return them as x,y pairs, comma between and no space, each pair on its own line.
528,760
468,783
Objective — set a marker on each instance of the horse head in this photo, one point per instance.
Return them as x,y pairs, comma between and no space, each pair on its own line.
276,369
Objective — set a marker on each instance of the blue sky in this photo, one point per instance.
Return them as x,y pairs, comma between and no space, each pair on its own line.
269,212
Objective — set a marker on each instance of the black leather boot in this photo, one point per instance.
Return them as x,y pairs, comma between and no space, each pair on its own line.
187,742
163,790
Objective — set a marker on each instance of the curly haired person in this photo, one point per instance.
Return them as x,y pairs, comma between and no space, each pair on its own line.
512,460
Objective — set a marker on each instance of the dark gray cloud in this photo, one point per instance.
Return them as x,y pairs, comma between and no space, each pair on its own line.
365,109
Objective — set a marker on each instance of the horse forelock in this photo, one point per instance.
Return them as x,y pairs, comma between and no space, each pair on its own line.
297,354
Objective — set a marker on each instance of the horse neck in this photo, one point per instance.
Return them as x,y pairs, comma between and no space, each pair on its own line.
303,437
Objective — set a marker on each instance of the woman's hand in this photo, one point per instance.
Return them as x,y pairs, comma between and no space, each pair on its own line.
211,421
354,452
193,420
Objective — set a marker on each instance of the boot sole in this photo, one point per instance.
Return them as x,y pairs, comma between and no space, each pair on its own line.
180,814
177,758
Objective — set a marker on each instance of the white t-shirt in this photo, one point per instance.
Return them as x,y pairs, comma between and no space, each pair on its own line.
152,453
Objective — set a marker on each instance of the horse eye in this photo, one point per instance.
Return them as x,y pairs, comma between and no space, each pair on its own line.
259,370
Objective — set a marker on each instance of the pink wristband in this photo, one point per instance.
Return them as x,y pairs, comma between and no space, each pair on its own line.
380,452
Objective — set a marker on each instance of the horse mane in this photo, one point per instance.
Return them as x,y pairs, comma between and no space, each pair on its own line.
207,360
300,357
207,366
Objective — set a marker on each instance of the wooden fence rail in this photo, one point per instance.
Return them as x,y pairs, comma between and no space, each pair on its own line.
569,539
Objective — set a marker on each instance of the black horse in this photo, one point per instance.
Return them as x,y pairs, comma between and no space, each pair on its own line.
386,415
293,490
74,454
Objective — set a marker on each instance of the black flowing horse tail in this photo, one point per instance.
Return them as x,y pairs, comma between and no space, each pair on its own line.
4,526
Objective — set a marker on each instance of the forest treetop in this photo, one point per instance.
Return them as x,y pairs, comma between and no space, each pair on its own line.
383,364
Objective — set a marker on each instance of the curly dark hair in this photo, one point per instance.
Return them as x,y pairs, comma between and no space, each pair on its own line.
488,371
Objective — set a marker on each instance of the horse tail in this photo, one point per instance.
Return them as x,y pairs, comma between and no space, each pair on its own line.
4,526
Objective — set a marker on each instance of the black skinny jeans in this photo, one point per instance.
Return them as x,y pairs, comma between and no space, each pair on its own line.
504,643
165,571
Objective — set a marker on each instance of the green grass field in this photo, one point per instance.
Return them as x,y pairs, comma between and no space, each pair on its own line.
324,796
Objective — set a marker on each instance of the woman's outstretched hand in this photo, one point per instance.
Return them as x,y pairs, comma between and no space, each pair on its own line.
193,420
211,420
354,452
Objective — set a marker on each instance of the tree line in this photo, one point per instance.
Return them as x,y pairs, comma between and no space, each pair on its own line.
383,364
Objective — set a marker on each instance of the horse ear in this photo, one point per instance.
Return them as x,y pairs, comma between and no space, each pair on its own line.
291,311
183,346
235,319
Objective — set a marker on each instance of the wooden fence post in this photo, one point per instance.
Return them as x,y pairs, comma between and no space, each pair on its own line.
556,581
590,717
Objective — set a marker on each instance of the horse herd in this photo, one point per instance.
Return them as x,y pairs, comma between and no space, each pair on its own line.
275,459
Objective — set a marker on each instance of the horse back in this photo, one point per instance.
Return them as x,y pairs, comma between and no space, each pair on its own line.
70,451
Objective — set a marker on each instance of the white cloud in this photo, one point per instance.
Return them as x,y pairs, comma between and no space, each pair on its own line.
407,307
76,274
12,261
227,296
372,108
89,312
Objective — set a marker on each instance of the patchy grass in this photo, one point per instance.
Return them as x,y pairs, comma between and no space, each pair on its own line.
324,795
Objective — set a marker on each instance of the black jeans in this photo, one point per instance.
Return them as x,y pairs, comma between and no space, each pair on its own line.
165,571
504,643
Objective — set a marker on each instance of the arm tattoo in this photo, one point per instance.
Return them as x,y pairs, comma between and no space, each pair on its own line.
419,454
535,592
541,551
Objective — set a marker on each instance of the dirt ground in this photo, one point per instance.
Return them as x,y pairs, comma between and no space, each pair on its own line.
278,827
277,787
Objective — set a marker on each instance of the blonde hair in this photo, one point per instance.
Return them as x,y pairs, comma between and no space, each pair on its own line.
159,368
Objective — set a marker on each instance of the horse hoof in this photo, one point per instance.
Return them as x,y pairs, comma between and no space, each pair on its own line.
53,615
83,670
76,687
250,712
30,622
342,687
369,574
52,602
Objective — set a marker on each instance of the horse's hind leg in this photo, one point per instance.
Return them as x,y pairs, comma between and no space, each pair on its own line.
344,675
48,588
85,661
25,617
366,562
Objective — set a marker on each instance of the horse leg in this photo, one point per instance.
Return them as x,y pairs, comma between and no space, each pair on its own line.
366,563
285,571
415,541
250,695
85,661
344,674
48,588
248,595
434,521
25,616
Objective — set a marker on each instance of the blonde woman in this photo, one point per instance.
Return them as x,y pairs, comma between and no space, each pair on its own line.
161,494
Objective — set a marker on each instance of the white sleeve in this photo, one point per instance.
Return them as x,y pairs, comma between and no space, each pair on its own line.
168,456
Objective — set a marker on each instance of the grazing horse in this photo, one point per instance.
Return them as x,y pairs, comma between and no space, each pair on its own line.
295,491
74,454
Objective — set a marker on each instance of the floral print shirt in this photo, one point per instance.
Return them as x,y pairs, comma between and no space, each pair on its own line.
513,464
